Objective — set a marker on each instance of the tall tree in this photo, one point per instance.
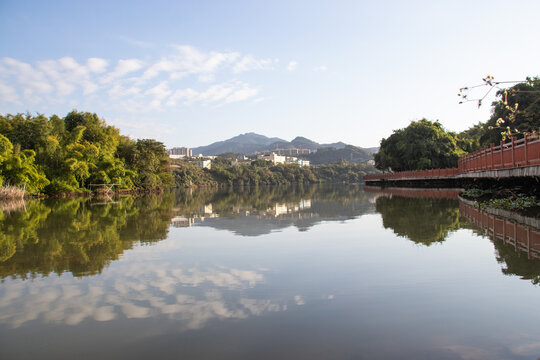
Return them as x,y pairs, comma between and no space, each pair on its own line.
421,145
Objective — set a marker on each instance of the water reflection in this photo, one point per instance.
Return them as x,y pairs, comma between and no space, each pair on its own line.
82,236
344,289
423,220
168,289
258,211
517,245
428,216
78,235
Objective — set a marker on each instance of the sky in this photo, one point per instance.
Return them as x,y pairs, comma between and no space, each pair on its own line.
189,73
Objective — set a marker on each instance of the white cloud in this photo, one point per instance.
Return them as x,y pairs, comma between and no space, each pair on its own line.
123,67
292,65
118,91
160,91
97,65
225,92
188,61
248,63
241,94
25,77
135,85
8,94
321,68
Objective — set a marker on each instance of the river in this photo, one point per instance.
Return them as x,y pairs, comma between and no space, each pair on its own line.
313,272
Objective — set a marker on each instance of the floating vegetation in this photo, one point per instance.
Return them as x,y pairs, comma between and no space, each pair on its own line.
520,202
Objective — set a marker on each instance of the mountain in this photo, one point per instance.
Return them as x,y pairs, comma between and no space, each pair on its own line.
249,143
372,150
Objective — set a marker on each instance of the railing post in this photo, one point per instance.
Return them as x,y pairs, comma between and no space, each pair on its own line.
492,146
525,149
502,157
513,150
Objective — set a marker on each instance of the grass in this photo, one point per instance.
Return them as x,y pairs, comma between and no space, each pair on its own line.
8,192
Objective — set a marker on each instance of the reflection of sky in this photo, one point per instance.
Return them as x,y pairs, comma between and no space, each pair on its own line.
135,292
342,286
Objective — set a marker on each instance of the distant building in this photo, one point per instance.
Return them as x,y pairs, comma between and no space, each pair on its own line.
203,164
273,157
179,152
294,151
181,221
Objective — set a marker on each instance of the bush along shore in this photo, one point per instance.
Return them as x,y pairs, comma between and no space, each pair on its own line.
261,172
50,156
80,155
522,202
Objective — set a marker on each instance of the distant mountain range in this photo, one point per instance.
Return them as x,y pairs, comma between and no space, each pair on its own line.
250,143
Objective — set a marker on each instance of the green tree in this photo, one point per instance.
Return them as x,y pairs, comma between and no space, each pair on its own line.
18,167
515,112
151,164
421,145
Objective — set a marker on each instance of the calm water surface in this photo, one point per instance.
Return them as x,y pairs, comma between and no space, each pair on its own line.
267,273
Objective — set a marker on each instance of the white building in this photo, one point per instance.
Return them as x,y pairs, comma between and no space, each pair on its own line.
203,164
273,157
176,156
181,151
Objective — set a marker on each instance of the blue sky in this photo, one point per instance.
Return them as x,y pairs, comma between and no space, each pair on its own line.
189,73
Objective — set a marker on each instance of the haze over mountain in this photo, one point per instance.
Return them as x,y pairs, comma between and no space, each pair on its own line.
249,143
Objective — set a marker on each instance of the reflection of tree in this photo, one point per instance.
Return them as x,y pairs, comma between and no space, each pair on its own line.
517,262
519,250
424,221
253,211
83,236
77,236
228,201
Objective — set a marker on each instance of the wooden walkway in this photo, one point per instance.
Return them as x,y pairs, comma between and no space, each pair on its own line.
517,158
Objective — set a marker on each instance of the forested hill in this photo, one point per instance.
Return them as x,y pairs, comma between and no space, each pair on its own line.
250,143
64,155
330,155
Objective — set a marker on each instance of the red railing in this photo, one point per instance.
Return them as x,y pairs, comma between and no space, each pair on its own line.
522,237
415,192
516,153
416,174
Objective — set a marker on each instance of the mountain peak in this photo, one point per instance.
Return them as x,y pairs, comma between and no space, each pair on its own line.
250,142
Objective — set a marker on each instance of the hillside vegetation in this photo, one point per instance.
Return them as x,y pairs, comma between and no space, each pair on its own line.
64,155
261,172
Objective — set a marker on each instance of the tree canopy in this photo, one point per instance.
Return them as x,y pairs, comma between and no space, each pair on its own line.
515,113
59,155
421,145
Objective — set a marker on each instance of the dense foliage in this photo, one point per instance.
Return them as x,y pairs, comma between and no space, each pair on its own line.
516,112
330,155
526,119
59,155
427,145
261,172
421,145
